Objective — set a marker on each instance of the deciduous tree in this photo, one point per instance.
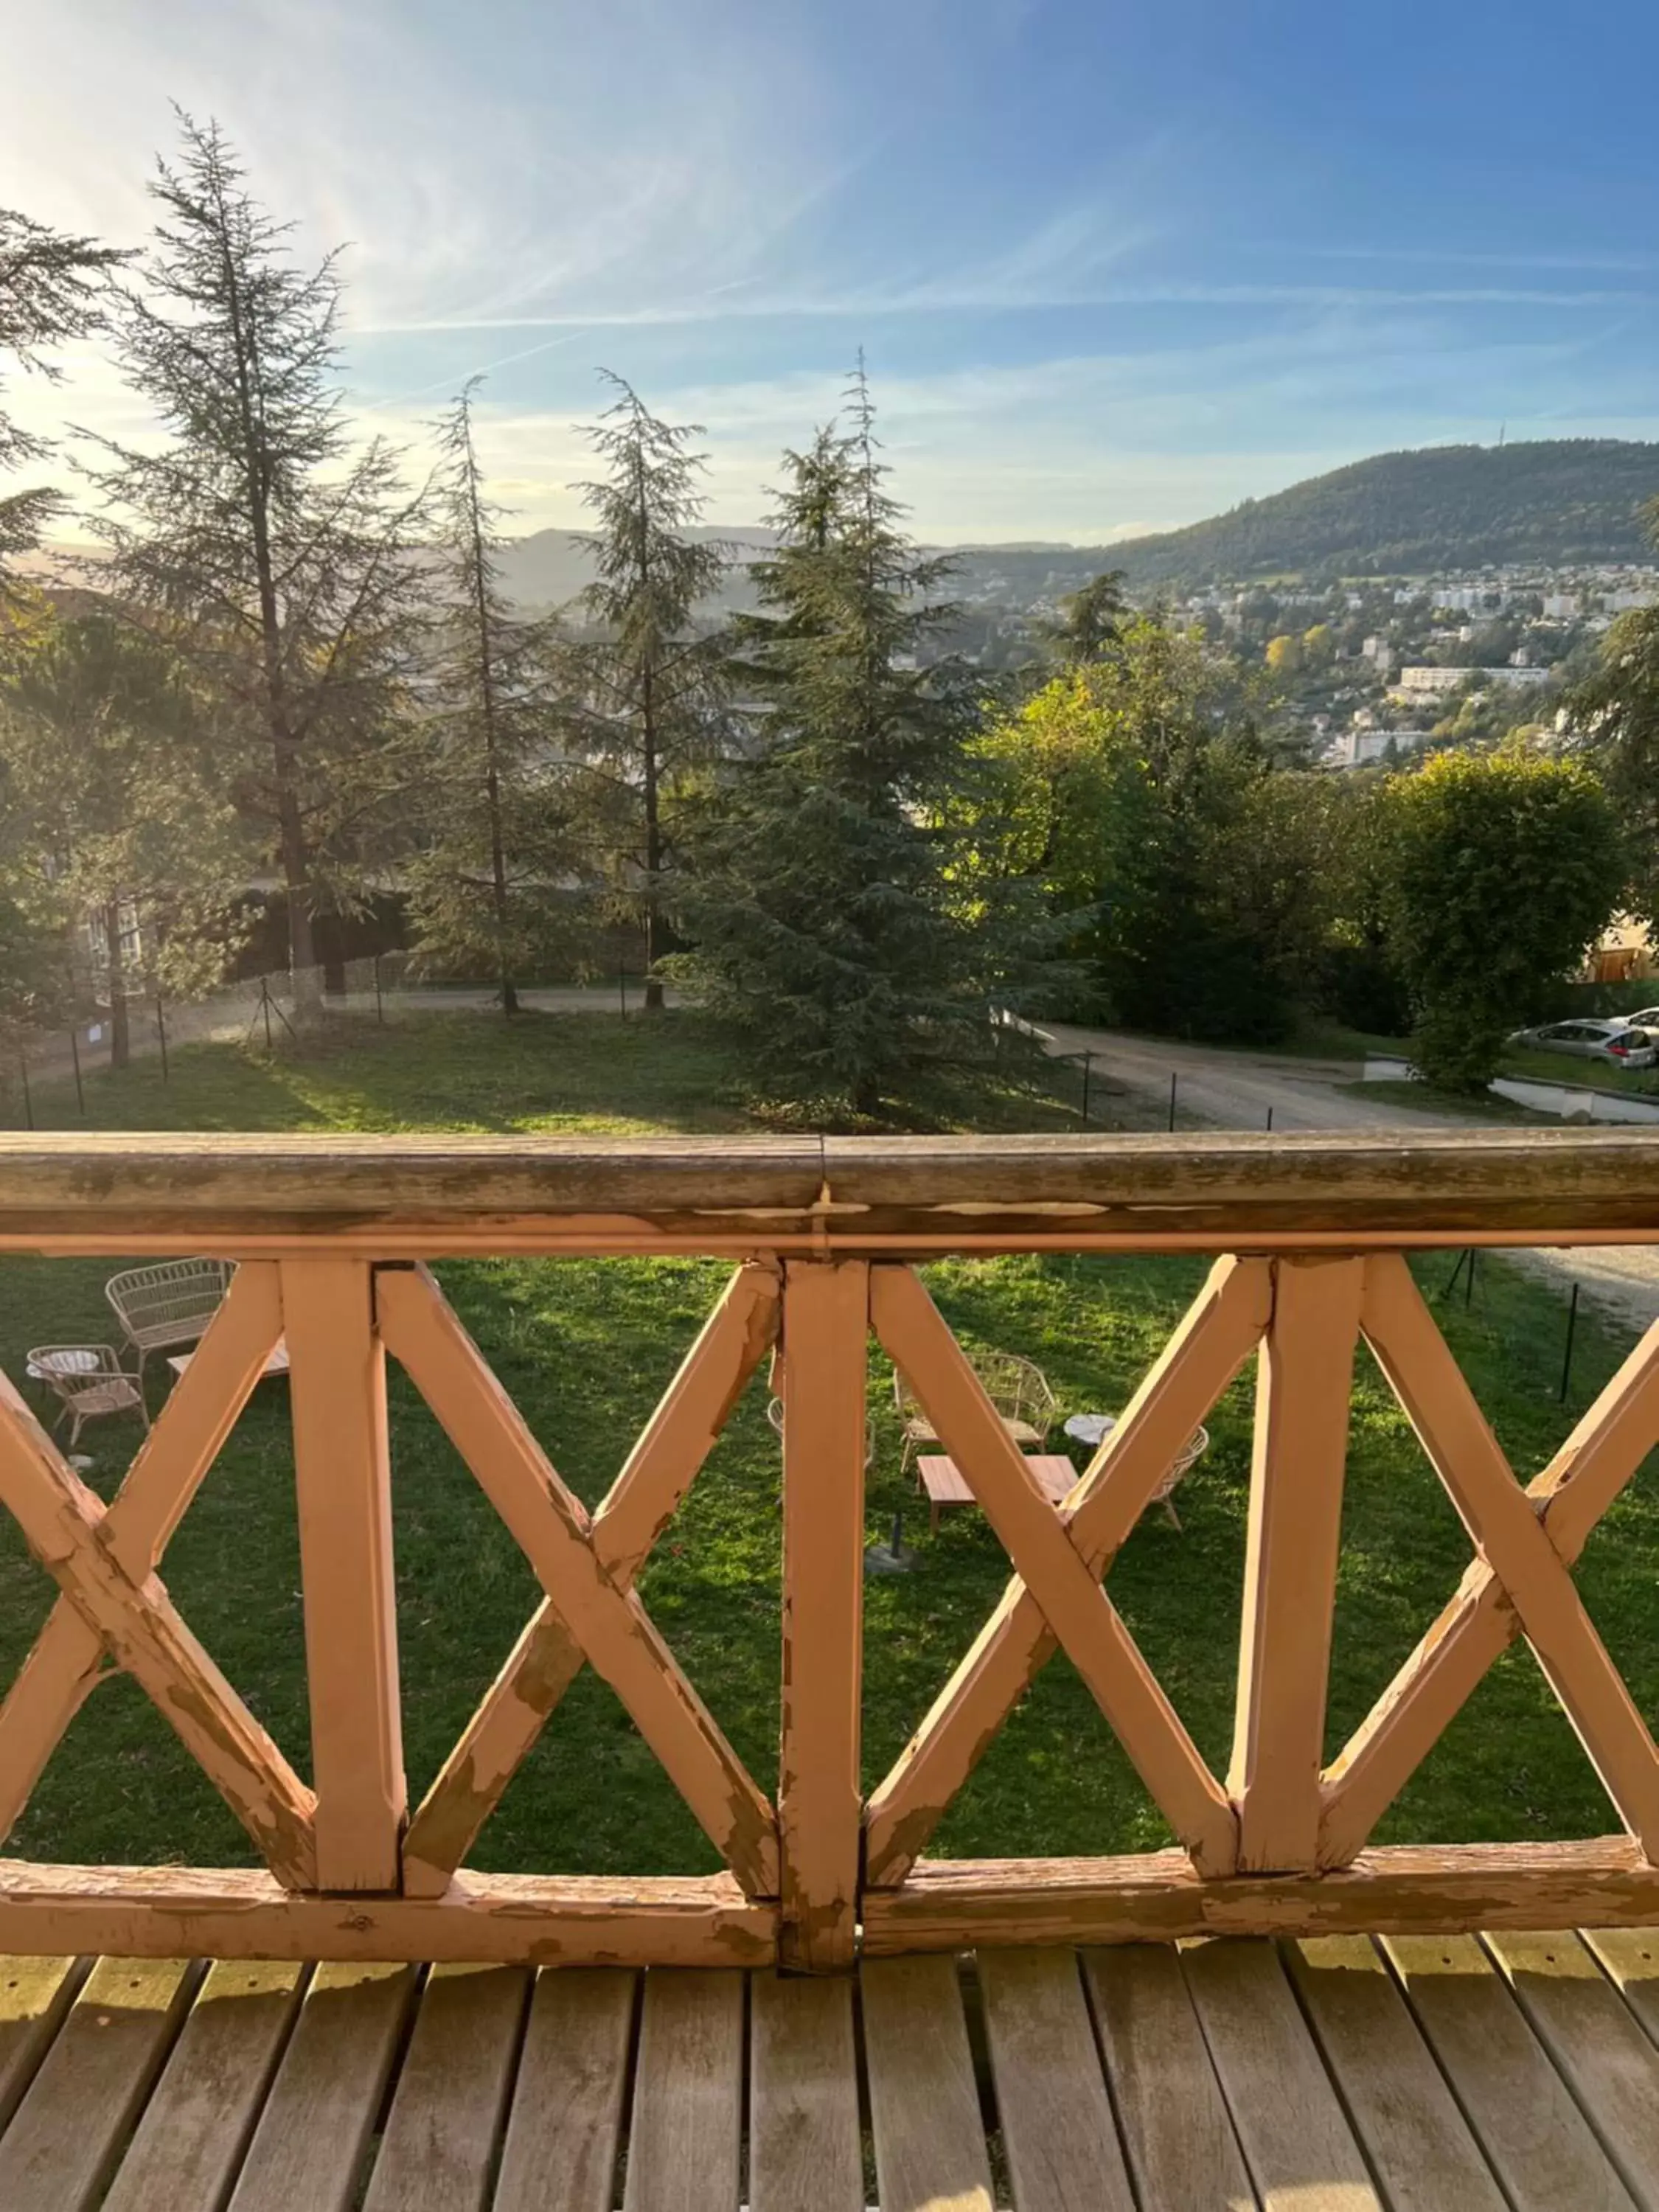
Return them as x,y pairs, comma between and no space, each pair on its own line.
1498,870
121,843
1616,715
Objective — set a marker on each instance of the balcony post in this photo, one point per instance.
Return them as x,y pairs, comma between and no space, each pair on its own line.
826,1322
344,1479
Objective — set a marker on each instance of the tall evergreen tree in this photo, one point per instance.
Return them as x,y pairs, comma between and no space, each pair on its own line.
263,547
51,290
820,900
1090,621
648,680
490,878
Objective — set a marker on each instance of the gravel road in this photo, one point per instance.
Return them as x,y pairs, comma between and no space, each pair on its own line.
1234,1090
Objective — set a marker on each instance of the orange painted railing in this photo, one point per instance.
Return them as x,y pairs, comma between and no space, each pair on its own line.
825,1237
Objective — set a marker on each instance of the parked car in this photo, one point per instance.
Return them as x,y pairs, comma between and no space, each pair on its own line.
1619,1043
1647,1019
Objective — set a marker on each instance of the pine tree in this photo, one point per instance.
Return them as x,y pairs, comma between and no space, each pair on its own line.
490,879
255,541
1090,621
821,903
650,681
51,290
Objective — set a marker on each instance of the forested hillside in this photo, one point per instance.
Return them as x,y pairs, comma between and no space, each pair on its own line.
1558,501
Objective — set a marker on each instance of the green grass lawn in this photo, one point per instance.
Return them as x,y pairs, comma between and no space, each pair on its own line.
585,1347
1570,1067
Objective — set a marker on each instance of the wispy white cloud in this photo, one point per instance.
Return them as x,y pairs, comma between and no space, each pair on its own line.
543,173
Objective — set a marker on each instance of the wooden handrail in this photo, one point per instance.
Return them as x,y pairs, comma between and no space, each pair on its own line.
429,1195
1311,1233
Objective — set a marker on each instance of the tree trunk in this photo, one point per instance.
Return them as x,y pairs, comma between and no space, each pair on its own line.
654,945
120,1035
498,884
296,879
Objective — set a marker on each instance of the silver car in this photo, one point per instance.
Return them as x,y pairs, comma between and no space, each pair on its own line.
1617,1044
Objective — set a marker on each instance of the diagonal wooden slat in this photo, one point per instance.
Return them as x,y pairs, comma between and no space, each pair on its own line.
551,1527
132,1616
68,1655
916,1337
1218,1333
1478,1624
1304,1382
643,1499
1505,1528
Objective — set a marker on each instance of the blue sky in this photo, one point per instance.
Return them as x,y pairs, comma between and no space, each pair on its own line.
1113,267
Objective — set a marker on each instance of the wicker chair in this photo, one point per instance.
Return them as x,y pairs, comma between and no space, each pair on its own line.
1017,1387
1184,1461
90,1381
168,1304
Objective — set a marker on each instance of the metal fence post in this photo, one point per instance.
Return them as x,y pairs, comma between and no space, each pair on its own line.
1567,1358
621,990
28,1101
380,1004
161,1037
1172,1100
1088,1063
75,1055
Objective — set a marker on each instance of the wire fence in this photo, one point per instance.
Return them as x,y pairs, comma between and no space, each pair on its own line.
269,1013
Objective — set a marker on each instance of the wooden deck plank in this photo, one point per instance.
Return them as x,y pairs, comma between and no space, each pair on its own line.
199,2121
1418,2143
1058,2132
314,2134
35,1993
441,2135
804,2150
684,2149
1533,2136
79,2110
1595,2045
1631,1956
1182,2151
930,2154
1296,2141
560,2154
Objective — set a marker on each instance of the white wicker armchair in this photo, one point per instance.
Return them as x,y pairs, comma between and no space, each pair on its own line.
168,1304
1017,1387
87,1380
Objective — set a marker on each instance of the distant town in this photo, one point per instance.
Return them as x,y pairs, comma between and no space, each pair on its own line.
1370,671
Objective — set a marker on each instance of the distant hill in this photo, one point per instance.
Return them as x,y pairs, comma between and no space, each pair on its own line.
548,568
1558,501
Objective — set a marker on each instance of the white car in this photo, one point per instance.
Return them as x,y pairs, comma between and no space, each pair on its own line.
1619,1043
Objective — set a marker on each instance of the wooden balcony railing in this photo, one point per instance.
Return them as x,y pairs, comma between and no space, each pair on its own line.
332,1235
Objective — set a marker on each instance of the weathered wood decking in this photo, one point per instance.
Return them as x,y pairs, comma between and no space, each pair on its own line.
1426,2074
